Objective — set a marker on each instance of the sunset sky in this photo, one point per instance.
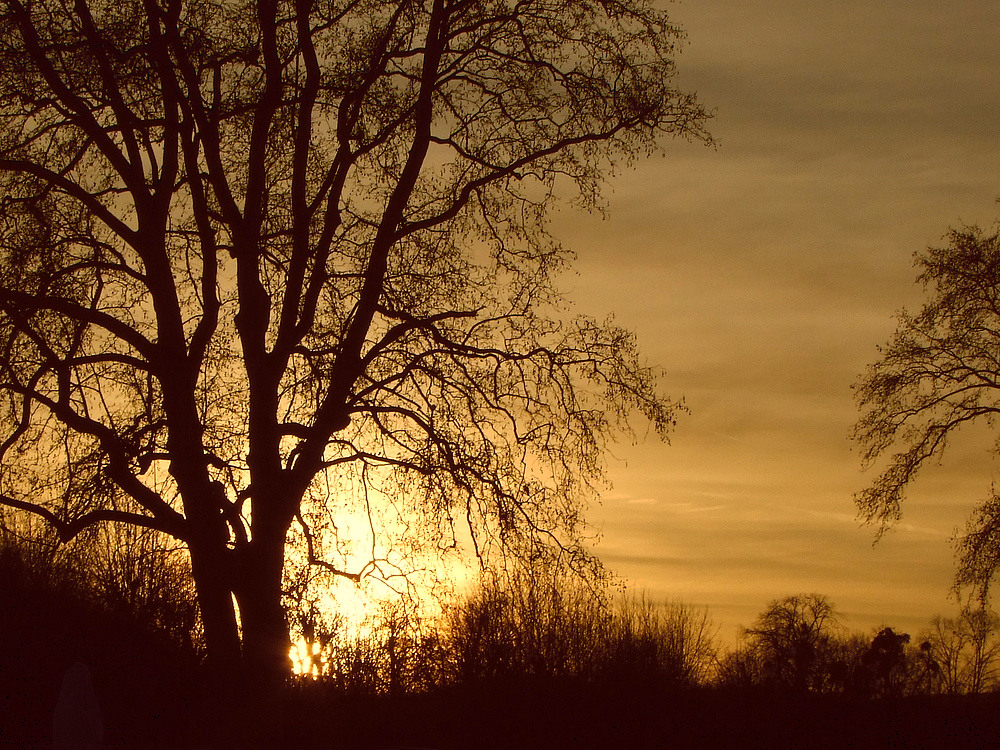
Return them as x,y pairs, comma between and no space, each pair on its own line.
762,275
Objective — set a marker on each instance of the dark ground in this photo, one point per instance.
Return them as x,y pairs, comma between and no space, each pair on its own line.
550,717
546,716
146,688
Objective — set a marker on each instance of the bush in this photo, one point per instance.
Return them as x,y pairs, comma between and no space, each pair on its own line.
525,628
58,611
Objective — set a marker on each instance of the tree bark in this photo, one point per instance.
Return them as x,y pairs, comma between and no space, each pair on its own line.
266,664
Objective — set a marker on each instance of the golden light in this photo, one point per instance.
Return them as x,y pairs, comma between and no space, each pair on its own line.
404,579
307,658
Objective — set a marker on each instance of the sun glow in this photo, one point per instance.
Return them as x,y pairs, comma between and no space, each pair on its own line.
405,578
348,620
307,658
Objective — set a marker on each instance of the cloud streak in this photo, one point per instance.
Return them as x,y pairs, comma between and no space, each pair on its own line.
763,274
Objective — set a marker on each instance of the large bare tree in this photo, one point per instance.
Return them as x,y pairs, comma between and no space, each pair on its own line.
250,248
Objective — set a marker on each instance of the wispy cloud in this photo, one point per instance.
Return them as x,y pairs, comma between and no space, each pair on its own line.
762,275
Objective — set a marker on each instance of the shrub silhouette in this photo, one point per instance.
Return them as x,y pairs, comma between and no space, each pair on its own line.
521,629
564,629
54,616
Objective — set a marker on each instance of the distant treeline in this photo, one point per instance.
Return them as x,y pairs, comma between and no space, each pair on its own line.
529,627
126,612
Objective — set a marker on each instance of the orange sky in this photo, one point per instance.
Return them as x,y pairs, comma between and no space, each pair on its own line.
762,275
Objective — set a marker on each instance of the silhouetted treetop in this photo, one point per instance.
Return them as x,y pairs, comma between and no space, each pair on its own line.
790,641
258,259
940,370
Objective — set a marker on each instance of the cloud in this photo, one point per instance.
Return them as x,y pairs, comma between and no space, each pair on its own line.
761,276
641,501
746,556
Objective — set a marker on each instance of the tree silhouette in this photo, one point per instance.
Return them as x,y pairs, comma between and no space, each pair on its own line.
258,258
789,643
939,372
885,663
966,649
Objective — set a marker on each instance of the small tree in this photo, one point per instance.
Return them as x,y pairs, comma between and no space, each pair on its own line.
789,646
966,650
667,642
559,628
886,664
940,371
259,258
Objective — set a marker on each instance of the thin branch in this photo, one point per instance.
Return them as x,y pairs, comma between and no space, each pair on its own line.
67,530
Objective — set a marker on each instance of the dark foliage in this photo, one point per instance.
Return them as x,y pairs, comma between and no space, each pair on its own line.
148,687
938,373
527,629
51,618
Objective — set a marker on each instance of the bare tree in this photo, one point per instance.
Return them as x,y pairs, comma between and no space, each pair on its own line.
790,644
259,258
966,650
556,626
940,371
669,642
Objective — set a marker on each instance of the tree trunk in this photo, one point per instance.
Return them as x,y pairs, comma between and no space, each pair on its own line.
266,643
215,601
266,640
221,703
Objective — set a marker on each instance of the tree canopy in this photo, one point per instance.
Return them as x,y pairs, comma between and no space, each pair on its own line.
261,259
940,371
790,640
